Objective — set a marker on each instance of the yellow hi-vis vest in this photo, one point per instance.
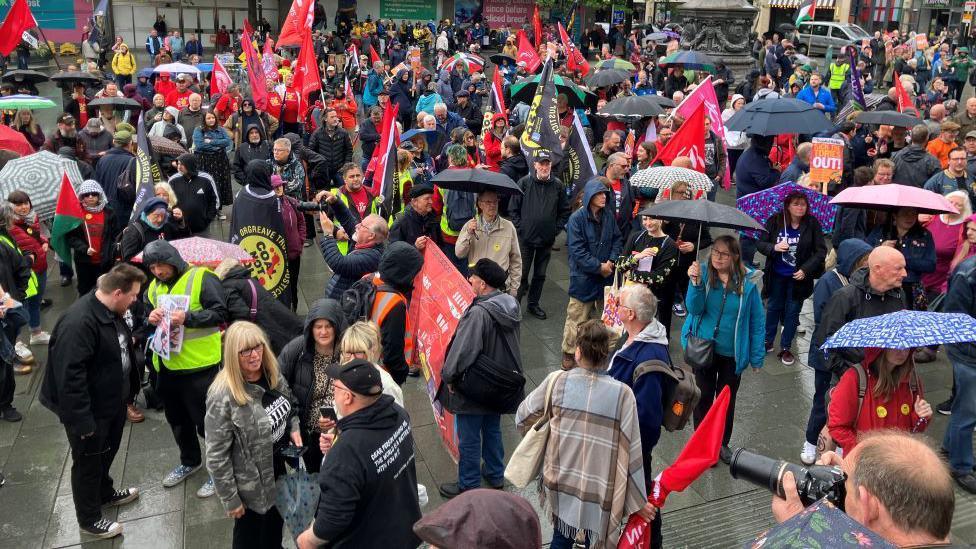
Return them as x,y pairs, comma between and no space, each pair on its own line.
373,208
445,226
32,282
837,75
201,346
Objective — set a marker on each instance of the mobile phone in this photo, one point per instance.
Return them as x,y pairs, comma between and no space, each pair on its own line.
328,412
292,451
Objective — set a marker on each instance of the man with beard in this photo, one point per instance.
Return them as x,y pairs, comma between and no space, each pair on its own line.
333,143
252,148
180,97
66,136
191,117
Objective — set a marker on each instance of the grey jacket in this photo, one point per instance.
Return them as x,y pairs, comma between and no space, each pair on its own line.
240,454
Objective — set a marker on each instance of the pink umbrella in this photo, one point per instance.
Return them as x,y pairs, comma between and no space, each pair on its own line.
206,252
890,197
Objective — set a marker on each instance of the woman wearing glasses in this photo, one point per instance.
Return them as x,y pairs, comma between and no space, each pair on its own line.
90,243
724,306
250,417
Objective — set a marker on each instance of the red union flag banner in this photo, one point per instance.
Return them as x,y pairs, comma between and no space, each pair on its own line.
440,297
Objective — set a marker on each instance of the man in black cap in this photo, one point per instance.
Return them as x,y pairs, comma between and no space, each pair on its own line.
470,112
369,476
539,215
417,223
487,333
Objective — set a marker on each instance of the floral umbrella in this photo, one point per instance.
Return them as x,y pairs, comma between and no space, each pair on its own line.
819,525
763,204
470,61
206,252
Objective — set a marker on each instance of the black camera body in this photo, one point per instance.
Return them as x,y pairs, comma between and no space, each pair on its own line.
813,483
322,206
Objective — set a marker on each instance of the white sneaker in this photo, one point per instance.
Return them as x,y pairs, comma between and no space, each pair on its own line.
809,454
207,489
40,338
24,354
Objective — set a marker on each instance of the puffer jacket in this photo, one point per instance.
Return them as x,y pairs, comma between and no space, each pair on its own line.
914,166
335,147
240,449
30,239
591,242
279,323
849,252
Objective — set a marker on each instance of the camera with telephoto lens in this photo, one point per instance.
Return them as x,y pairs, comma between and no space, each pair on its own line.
322,206
812,483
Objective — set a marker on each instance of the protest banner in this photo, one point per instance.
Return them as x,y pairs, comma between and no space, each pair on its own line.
826,162
440,297
510,13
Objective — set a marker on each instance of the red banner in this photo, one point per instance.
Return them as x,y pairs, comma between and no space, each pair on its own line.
440,297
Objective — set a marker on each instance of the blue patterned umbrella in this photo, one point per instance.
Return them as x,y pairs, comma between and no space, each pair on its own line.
904,330
761,205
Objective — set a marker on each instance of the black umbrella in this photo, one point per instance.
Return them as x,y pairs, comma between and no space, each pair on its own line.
24,76
779,116
706,212
475,181
607,77
499,57
661,101
888,118
63,79
638,106
123,103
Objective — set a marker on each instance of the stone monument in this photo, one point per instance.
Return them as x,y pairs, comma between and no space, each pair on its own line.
720,28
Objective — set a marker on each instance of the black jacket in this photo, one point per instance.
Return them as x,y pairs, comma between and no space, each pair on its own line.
696,233
914,166
472,117
84,382
15,269
856,300
541,212
811,252
961,298
369,136
213,311
296,358
196,194
107,171
335,148
408,226
247,152
369,483
279,323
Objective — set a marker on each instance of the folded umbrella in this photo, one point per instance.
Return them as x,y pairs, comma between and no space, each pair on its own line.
779,116
690,59
763,204
664,177
166,146
893,196
819,525
24,76
475,180
13,140
904,330
21,101
888,118
39,175
122,103
607,77
634,106
206,252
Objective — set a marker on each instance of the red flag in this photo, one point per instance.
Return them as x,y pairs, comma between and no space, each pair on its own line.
255,76
688,141
704,94
248,29
373,56
574,58
220,80
904,100
385,157
537,27
19,19
497,91
527,54
307,77
298,20
348,89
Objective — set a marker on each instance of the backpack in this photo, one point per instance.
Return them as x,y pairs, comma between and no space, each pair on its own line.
117,243
862,386
357,301
678,397
460,209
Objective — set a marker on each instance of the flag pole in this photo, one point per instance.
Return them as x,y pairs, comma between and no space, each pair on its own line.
54,54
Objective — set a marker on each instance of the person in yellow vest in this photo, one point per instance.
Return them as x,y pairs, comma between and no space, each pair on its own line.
838,72
394,282
359,200
186,375
15,285
457,208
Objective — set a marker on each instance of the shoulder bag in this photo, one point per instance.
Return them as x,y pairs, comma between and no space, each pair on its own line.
528,455
699,351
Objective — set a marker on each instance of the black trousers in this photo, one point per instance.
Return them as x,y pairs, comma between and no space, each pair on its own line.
535,259
258,530
294,266
91,459
10,325
657,540
185,399
87,275
313,455
711,383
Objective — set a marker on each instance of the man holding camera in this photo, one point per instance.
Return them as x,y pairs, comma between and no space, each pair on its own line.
896,486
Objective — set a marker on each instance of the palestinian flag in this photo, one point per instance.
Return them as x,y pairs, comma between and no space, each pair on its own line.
68,216
806,11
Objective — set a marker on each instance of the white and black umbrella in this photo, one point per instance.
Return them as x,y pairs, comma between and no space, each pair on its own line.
39,175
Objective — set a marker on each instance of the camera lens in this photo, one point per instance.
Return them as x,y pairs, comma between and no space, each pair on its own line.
757,469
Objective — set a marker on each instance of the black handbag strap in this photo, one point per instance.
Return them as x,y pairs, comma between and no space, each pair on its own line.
721,309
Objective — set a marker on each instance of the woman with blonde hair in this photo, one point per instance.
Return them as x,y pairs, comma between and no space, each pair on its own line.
362,340
250,419
25,123
948,233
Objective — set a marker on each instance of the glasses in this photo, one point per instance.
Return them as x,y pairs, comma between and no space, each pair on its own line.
91,195
259,348
721,255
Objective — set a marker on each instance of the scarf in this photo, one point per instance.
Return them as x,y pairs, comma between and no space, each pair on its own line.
488,226
30,218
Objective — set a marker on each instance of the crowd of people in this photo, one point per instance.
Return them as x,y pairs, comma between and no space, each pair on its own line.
255,388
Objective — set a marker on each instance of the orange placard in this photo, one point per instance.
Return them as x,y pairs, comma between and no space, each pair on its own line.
826,162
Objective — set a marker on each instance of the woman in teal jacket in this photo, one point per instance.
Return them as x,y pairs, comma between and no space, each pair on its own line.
725,301
211,143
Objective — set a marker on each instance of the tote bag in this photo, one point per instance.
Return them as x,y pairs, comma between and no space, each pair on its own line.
527,458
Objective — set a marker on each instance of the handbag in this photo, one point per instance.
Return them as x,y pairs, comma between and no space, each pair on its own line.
611,305
528,455
699,351
298,499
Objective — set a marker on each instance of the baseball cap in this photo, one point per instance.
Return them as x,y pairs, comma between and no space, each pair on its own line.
358,375
971,135
542,156
408,146
66,118
330,68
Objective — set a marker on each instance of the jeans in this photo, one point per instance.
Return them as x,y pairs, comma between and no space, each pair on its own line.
479,436
33,304
781,308
185,397
711,382
958,438
460,263
258,530
65,269
91,459
535,259
818,412
560,541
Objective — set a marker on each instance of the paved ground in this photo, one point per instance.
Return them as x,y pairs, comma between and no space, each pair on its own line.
717,511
